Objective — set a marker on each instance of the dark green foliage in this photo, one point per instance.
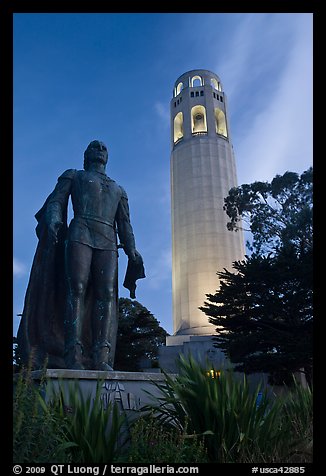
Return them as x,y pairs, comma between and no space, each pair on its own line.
278,214
225,413
68,428
38,432
197,419
153,443
297,414
139,336
265,309
93,431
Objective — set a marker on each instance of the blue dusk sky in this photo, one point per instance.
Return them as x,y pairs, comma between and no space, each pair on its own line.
110,76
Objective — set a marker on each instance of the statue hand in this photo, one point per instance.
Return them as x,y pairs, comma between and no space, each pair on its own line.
53,230
133,255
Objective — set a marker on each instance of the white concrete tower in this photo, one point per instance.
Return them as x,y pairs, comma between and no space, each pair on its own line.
202,172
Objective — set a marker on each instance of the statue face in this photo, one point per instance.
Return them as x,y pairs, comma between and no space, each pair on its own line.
96,152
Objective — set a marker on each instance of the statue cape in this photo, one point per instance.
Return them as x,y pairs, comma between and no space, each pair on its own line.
40,335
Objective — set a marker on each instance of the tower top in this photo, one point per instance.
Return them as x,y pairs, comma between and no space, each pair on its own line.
197,77
198,108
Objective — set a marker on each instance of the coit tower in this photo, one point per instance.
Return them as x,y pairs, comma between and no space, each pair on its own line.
202,173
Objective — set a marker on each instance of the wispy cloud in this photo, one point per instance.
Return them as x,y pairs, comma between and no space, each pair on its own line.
163,112
159,272
234,62
274,133
19,268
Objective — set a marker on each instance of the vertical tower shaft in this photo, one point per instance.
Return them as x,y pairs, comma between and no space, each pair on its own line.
202,173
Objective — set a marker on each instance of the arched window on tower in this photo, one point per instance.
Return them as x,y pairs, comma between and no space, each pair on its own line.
196,81
179,88
178,127
220,122
216,84
198,120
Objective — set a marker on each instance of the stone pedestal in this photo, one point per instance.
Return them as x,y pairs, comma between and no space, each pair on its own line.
128,389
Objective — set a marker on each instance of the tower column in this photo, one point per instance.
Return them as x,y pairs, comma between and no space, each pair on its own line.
202,173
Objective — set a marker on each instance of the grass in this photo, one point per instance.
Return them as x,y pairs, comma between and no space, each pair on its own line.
152,443
38,433
225,411
93,430
196,419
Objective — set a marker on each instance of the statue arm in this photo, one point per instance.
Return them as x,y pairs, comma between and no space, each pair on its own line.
135,268
57,203
125,231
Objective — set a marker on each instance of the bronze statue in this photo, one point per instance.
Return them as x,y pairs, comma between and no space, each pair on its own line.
70,313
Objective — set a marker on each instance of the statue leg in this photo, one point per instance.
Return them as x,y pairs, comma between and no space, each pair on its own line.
78,263
105,311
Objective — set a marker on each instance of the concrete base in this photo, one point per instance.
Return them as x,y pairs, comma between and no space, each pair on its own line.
203,351
128,389
199,346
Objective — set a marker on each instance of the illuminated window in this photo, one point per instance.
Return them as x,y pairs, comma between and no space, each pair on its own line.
198,119
178,127
179,88
216,84
220,122
212,373
196,81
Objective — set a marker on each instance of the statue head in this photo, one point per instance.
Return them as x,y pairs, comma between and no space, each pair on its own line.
96,152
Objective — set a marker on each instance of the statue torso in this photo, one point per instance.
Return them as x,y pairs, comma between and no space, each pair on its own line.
95,195
95,199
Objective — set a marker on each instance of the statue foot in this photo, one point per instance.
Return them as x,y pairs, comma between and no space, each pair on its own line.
104,366
73,357
102,356
76,366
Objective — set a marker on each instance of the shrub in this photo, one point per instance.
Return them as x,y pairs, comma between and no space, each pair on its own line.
297,414
225,411
68,429
152,443
196,419
93,432
38,432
